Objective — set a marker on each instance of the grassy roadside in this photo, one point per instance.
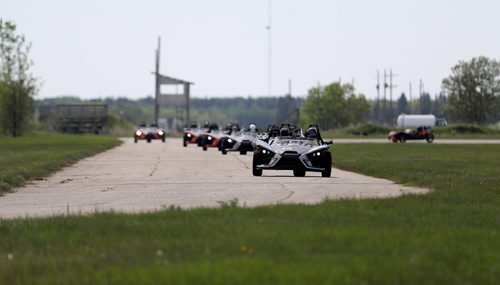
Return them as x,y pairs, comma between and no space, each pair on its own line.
447,237
37,155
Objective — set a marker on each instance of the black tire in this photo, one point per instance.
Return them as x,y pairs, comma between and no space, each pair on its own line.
149,140
328,167
255,171
224,151
184,143
135,140
163,139
205,147
402,139
299,173
430,138
243,152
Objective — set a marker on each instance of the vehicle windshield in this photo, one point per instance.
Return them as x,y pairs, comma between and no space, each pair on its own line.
294,141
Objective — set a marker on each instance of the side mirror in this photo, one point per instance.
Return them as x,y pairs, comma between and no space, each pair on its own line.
328,142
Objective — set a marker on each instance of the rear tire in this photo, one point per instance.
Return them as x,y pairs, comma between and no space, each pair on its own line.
430,138
224,151
205,147
299,173
243,152
163,139
135,140
185,143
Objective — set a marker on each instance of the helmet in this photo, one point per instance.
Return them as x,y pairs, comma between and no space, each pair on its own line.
252,127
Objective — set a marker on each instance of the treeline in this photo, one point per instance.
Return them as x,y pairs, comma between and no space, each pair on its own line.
260,111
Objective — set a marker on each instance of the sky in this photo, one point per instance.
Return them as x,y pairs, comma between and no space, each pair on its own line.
105,48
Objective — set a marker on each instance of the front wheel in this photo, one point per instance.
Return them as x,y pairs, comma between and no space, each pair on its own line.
430,138
224,151
255,170
205,147
149,140
328,167
135,139
185,143
243,152
163,139
299,173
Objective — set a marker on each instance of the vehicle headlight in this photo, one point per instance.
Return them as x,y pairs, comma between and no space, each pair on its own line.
209,138
230,141
138,133
160,133
188,135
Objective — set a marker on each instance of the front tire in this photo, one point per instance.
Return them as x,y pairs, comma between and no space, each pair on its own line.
328,167
224,151
135,139
243,152
299,173
255,170
205,147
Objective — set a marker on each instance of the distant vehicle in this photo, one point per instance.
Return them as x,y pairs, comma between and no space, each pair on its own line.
153,132
241,141
290,149
421,133
212,138
192,134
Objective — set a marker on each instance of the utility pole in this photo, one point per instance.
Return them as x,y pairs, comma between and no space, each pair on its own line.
290,87
377,103
409,105
378,86
270,49
391,86
384,103
157,81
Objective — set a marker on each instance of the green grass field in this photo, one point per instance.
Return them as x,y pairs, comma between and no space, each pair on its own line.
450,236
35,156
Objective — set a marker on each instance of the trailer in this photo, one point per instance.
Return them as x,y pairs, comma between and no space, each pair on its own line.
415,121
80,118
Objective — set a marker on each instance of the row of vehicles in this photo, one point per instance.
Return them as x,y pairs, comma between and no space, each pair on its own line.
283,147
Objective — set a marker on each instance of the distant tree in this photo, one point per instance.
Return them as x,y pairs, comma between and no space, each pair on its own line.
358,108
402,104
473,89
439,104
335,106
17,85
425,104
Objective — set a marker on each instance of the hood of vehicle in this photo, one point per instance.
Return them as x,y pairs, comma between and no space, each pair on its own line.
300,146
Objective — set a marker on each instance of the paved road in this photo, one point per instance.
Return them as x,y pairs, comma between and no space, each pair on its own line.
146,177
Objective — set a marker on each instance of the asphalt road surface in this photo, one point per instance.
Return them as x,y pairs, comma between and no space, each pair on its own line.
145,177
